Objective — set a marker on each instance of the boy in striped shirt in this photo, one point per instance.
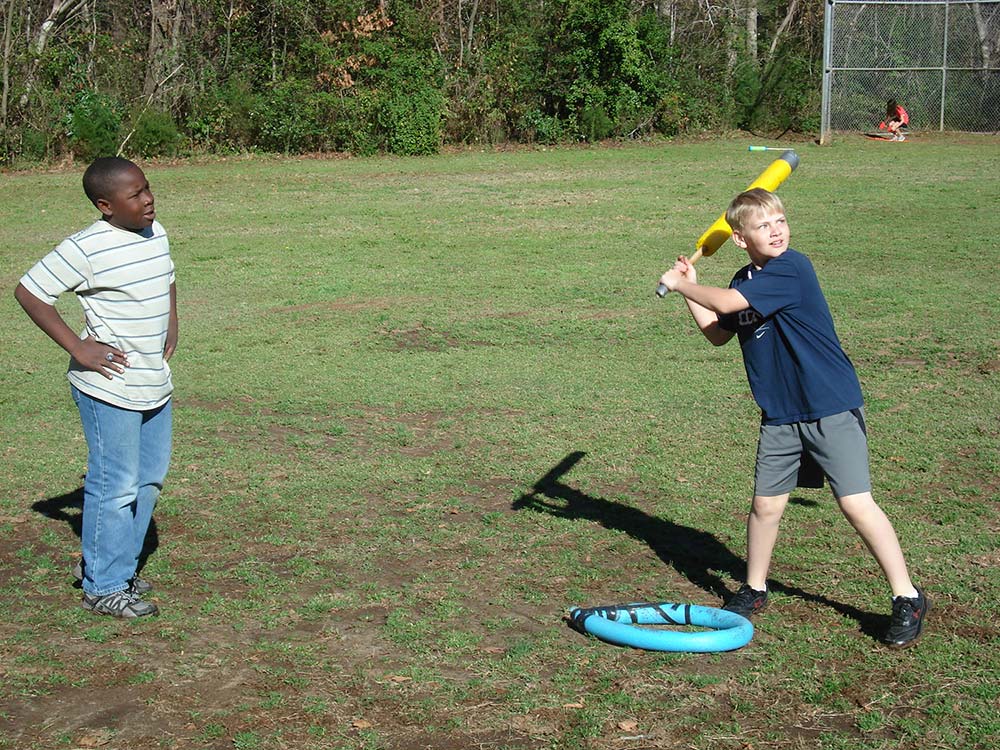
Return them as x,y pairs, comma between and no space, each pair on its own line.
121,272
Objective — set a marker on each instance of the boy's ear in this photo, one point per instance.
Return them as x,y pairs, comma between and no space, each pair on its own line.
104,206
738,239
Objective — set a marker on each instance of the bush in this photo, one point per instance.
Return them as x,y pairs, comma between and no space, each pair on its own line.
488,95
412,121
354,126
221,116
595,125
155,134
285,119
787,99
33,144
538,127
94,126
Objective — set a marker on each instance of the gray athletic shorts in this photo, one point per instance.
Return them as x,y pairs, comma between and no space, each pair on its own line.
838,444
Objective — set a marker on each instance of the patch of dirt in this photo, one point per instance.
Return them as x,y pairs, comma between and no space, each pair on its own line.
424,338
962,621
989,367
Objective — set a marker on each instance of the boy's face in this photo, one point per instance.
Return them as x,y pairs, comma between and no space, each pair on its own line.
129,204
765,236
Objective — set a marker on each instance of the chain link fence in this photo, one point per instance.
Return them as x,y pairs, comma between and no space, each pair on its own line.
940,59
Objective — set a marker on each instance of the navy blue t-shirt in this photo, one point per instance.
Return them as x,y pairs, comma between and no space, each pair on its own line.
797,370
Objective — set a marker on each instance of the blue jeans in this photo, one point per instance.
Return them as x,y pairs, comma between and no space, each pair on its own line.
128,456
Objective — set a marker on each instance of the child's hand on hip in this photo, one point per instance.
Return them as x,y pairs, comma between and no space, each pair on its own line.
102,358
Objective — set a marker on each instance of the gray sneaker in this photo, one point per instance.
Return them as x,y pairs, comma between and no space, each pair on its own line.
122,604
136,585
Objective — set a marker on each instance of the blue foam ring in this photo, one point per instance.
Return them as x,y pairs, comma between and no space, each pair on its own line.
617,624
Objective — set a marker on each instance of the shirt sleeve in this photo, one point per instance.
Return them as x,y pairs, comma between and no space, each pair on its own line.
730,321
773,288
62,270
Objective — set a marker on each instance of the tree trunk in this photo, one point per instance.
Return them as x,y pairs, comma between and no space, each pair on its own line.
8,21
988,43
461,33
229,34
273,31
161,52
472,23
61,9
786,21
751,12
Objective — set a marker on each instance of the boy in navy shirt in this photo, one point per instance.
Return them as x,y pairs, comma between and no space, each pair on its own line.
809,396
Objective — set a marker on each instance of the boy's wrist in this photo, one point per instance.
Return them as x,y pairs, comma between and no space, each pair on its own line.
74,347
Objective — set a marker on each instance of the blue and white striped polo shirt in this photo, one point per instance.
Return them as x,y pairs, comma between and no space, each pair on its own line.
123,280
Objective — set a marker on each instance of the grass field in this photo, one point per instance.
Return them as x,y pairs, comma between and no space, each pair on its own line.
424,406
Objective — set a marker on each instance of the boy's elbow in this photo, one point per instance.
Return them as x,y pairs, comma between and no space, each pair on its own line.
715,335
718,337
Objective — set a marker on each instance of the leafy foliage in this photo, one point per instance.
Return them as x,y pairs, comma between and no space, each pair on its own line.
155,134
401,76
93,126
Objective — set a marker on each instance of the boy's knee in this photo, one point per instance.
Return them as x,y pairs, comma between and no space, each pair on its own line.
766,506
862,502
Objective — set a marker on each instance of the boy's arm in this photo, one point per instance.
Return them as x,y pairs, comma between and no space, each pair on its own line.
171,343
707,320
718,300
89,352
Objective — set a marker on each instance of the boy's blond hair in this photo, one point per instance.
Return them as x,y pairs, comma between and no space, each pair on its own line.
752,202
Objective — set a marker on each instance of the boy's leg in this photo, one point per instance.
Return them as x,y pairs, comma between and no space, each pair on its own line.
909,605
839,444
154,459
762,533
779,452
779,455
877,532
109,492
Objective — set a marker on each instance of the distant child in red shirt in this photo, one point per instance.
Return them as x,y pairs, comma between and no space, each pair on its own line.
896,120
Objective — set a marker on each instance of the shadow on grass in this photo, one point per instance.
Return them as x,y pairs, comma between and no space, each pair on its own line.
69,508
695,554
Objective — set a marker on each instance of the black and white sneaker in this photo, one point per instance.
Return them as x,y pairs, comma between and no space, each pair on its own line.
908,615
747,601
122,604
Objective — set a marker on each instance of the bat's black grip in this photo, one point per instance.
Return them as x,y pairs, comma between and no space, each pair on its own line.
661,290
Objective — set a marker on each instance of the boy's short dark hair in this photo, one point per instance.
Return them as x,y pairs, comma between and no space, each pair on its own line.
99,178
750,202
